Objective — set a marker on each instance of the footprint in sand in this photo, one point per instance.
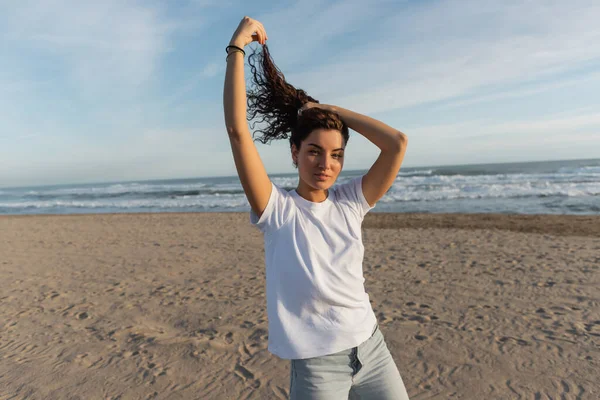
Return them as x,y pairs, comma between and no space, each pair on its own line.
53,294
382,318
520,342
247,376
128,354
248,351
206,333
247,324
259,335
114,285
153,370
420,318
87,361
565,386
507,340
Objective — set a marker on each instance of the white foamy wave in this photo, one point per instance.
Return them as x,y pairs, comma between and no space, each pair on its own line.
226,187
283,181
592,170
506,190
570,187
490,179
292,182
224,201
425,172
117,189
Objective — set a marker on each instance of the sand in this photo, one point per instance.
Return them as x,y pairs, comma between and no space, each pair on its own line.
172,306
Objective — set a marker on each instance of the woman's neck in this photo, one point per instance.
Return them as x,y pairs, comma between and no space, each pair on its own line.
311,194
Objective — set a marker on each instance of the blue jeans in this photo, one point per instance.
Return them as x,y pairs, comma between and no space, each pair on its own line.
363,372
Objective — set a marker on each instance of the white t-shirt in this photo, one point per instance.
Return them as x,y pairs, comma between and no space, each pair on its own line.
316,300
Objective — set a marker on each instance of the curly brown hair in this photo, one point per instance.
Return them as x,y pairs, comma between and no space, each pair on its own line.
275,102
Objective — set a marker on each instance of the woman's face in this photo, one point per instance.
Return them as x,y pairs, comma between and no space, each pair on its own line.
320,158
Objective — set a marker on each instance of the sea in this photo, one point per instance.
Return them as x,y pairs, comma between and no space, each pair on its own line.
549,187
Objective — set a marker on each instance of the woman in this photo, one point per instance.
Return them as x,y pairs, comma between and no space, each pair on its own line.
319,314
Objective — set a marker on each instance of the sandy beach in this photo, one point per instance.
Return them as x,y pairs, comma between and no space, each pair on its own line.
172,306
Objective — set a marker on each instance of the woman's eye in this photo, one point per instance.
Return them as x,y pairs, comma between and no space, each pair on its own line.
316,152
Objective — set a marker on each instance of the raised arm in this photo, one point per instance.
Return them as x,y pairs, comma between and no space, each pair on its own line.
250,169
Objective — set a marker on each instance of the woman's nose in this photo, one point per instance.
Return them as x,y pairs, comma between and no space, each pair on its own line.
324,162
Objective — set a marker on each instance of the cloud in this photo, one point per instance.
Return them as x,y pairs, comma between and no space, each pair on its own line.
20,137
511,92
297,33
485,140
153,153
544,126
81,67
209,71
421,54
108,44
104,88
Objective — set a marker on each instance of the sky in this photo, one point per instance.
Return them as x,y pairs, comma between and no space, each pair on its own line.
123,90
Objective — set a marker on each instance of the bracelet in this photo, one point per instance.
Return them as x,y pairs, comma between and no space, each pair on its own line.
231,52
234,47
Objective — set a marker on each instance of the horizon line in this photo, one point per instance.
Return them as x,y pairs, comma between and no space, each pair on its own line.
291,173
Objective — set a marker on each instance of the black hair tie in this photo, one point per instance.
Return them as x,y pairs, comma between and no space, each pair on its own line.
234,47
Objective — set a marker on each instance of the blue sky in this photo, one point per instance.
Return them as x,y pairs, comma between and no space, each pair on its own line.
123,90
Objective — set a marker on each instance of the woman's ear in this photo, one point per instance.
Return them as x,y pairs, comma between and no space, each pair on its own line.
294,154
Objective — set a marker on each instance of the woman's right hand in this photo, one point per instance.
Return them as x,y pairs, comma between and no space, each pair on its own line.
249,30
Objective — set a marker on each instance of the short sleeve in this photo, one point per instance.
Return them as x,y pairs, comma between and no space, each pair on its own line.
277,212
351,193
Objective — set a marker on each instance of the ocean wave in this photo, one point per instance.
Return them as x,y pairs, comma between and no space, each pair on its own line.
206,202
115,189
425,172
491,191
398,193
590,169
567,187
125,194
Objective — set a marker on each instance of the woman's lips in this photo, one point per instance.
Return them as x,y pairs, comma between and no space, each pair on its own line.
322,176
